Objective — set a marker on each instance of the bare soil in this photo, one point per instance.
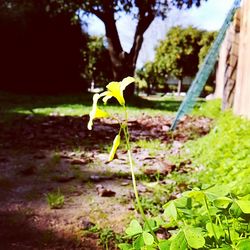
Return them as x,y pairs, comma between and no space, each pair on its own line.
39,155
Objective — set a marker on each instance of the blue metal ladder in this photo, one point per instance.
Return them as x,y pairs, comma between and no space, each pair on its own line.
206,68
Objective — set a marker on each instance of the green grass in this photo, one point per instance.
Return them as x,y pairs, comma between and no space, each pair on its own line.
55,200
77,105
224,154
211,109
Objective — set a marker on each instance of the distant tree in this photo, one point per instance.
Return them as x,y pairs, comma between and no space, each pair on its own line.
205,43
150,73
179,55
96,58
108,11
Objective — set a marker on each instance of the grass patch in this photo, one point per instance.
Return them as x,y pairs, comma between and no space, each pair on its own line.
223,156
211,109
55,200
78,105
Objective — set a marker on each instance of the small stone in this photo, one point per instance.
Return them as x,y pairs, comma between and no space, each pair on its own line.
142,189
165,128
125,183
97,178
150,171
85,224
78,162
168,168
104,192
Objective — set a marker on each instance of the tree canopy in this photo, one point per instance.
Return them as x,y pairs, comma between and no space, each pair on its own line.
97,62
179,54
123,62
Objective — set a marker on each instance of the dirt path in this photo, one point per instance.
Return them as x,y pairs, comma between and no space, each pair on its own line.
39,155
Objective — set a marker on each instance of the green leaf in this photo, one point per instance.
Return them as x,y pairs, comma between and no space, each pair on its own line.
179,242
218,230
164,245
149,248
148,238
183,202
243,244
223,248
124,246
152,223
196,194
116,144
220,190
138,243
170,210
244,206
133,228
222,202
194,237
235,210
234,235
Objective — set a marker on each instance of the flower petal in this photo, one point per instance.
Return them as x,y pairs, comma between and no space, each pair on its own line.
107,97
100,113
126,81
96,112
116,144
115,91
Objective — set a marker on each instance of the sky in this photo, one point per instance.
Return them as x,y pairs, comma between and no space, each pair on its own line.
209,16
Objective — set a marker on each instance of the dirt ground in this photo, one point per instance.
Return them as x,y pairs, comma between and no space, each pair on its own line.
39,155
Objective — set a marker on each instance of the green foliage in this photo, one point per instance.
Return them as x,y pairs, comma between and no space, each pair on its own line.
205,43
107,237
215,215
115,90
55,200
224,153
96,57
178,55
152,76
211,109
211,218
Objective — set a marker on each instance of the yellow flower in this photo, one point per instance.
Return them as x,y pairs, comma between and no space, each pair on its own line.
116,144
96,112
115,89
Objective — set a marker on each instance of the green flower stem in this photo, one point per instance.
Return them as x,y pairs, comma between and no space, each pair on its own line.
211,221
126,133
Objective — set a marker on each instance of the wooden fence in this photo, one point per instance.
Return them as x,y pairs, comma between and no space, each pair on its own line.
233,73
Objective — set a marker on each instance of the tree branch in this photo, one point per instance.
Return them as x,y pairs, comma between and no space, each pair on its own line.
145,19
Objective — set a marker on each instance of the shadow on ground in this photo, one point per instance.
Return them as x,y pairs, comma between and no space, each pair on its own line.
18,230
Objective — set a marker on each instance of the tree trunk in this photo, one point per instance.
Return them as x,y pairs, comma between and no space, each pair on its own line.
179,88
123,63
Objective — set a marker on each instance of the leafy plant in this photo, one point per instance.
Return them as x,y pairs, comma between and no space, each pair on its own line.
209,218
107,236
55,200
115,89
224,153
